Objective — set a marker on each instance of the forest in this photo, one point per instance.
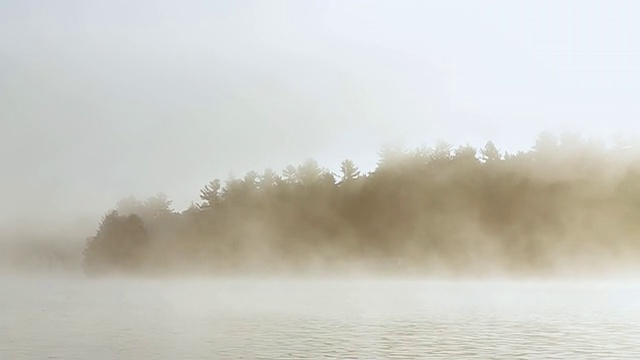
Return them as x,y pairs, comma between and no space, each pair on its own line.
566,203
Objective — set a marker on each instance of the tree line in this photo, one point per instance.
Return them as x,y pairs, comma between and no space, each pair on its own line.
564,203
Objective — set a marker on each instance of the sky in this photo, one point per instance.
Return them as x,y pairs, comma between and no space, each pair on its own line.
104,99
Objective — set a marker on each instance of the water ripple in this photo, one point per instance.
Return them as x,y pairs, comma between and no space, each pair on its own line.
194,321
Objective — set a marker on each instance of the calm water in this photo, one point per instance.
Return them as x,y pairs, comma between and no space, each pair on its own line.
245,319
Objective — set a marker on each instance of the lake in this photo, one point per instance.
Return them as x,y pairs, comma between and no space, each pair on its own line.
58,318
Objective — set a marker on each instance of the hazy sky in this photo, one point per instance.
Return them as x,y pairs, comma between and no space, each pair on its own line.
103,99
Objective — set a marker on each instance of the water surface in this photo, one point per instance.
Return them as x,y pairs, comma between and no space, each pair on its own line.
317,319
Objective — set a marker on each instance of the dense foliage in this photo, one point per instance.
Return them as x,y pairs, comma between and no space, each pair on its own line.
565,201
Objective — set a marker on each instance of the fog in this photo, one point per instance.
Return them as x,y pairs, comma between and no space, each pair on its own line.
102,101
565,207
319,179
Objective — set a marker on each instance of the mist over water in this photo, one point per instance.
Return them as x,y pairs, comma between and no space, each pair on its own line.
565,207
401,262
100,101
268,319
440,252
304,179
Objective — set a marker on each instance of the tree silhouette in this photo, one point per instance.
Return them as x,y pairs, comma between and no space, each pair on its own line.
309,172
545,147
211,194
290,174
118,245
158,207
349,171
440,207
390,154
490,153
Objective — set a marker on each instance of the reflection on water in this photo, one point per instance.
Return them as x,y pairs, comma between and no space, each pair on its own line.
76,319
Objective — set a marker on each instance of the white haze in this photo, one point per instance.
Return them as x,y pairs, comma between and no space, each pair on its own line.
104,99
